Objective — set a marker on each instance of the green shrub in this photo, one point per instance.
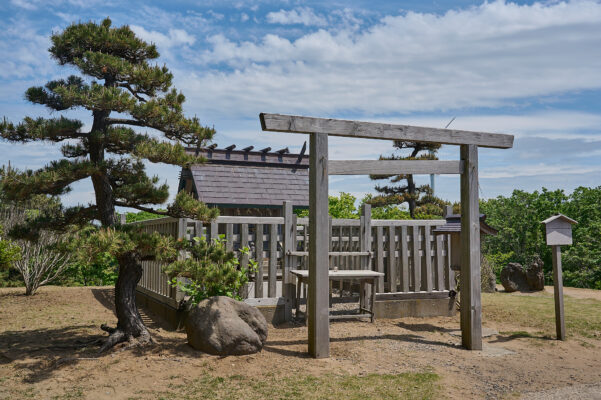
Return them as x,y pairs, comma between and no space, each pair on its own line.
209,270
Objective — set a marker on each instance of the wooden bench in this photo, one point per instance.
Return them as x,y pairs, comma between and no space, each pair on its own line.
363,276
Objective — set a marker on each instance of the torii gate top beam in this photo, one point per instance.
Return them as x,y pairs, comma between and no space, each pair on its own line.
372,130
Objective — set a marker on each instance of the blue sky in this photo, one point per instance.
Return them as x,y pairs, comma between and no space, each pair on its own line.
532,69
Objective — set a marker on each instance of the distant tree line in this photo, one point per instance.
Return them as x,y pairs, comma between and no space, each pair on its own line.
521,235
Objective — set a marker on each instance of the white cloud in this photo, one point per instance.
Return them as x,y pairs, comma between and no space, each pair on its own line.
244,17
486,56
174,37
513,171
302,15
27,5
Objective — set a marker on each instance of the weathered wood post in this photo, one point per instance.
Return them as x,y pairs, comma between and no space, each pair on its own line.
289,237
471,308
319,319
365,243
558,232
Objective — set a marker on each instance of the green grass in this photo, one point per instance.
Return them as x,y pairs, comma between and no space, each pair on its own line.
373,386
582,316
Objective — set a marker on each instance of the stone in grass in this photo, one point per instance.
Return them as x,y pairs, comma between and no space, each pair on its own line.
513,278
223,326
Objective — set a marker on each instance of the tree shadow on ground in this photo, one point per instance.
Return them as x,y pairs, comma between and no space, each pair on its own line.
508,337
40,352
421,327
106,297
410,338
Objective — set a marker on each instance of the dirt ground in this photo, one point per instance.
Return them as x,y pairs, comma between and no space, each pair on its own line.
46,351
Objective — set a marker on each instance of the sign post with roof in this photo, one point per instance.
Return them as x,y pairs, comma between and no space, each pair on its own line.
558,232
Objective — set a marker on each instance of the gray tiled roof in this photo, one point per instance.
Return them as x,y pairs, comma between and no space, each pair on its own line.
252,180
454,225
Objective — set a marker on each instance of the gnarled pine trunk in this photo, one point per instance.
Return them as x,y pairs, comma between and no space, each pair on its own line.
130,326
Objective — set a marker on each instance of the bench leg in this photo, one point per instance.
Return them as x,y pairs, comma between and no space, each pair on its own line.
298,292
373,300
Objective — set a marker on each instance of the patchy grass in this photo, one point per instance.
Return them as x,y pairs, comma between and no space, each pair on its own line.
582,316
373,386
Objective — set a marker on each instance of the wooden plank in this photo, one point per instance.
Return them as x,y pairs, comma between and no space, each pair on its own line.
355,274
372,130
449,273
332,253
181,228
198,231
416,259
273,260
471,307
318,322
259,258
380,257
229,237
428,279
365,245
560,326
249,220
407,222
349,316
392,265
244,243
289,238
404,256
393,167
413,295
214,230
439,263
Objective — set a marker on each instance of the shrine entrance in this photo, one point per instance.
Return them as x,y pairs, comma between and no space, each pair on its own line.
320,167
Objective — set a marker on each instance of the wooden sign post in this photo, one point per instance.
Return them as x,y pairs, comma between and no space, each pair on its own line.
558,232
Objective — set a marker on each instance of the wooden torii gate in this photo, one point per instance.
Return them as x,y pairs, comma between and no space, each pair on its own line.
319,169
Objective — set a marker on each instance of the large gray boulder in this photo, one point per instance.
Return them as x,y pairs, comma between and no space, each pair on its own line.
535,275
223,326
513,278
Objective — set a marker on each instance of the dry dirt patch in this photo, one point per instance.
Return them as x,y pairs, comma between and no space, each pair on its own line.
47,351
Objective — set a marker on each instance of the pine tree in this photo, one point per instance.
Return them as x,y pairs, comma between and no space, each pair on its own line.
122,90
402,188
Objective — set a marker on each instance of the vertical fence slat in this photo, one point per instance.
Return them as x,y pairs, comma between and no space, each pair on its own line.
451,273
214,230
259,259
417,268
244,243
391,260
380,257
404,252
229,237
273,260
439,264
427,247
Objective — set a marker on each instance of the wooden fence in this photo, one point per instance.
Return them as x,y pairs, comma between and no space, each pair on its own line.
414,260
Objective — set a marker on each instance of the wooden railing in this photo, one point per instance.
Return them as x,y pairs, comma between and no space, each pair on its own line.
411,257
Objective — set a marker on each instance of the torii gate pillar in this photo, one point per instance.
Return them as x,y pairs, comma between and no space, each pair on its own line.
471,305
319,238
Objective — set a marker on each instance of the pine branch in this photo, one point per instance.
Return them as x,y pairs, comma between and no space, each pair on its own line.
163,152
141,208
124,121
54,179
54,130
